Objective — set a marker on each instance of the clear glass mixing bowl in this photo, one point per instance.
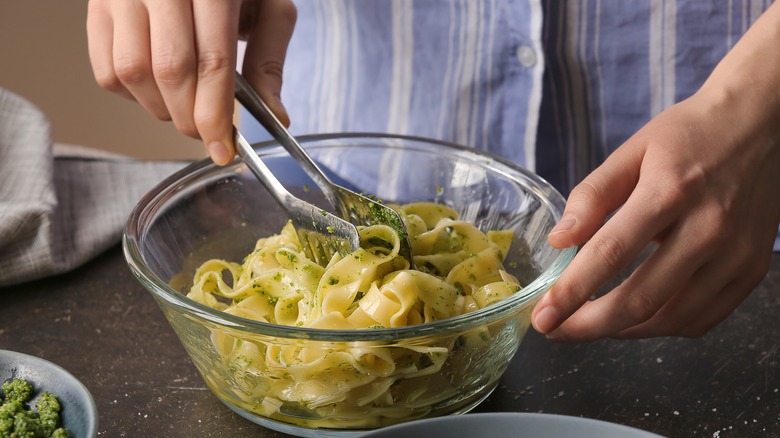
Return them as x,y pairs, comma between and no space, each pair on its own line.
446,367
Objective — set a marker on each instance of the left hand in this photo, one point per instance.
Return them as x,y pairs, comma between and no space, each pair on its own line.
702,180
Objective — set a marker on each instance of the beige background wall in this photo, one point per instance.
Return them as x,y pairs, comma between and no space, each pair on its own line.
43,57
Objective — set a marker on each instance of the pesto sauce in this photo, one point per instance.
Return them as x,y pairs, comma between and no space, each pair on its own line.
387,217
18,420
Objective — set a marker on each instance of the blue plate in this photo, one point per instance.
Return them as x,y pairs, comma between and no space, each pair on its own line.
79,414
509,425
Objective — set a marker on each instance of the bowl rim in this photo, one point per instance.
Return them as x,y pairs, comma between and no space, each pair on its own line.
493,312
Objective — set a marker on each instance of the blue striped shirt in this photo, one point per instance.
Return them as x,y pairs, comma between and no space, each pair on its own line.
554,86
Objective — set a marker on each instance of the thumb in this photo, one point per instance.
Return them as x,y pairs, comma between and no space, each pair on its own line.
268,32
597,196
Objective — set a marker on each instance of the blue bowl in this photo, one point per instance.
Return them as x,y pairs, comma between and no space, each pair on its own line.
510,425
79,414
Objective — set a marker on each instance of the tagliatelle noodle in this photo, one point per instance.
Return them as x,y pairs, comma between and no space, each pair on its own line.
460,270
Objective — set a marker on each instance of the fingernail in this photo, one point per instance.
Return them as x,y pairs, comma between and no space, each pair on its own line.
565,224
219,153
546,320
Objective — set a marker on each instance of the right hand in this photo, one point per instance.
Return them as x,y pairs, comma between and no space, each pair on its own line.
177,58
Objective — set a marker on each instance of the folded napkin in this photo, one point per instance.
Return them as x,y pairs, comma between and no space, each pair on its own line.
60,205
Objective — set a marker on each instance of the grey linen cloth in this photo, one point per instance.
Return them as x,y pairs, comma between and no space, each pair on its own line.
59,206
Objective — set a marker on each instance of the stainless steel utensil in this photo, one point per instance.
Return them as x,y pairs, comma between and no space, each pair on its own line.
322,234
354,207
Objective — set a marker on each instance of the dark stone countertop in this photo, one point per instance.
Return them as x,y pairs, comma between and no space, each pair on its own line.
100,324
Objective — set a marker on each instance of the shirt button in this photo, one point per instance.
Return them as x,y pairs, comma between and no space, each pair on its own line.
526,56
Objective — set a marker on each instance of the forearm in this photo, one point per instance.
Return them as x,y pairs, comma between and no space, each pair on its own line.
748,78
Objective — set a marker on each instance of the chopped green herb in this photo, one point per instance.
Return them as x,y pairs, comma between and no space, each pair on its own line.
18,420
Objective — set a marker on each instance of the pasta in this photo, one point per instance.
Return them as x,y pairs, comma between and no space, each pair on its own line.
459,270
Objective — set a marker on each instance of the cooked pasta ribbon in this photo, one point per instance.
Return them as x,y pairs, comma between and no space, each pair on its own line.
459,270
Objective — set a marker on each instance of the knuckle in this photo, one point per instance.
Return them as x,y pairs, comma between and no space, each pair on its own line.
567,292
568,295
168,67
640,306
679,187
710,239
207,122
586,192
108,80
669,196
131,70
211,63
272,68
610,251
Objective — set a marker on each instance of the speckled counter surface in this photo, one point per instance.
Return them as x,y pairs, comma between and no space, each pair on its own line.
100,324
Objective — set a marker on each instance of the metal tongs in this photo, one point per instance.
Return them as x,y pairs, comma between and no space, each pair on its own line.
321,233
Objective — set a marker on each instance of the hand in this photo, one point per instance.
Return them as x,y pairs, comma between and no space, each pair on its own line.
702,180
177,58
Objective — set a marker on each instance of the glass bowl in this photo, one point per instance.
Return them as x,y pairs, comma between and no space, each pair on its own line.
445,367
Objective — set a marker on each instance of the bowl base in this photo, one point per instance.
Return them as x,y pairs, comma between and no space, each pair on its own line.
335,433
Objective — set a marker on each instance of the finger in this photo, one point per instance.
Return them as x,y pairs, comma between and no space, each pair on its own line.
100,32
699,315
173,60
216,35
610,250
267,42
598,195
693,297
648,304
636,300
731,259
132,57
724,304
649,288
